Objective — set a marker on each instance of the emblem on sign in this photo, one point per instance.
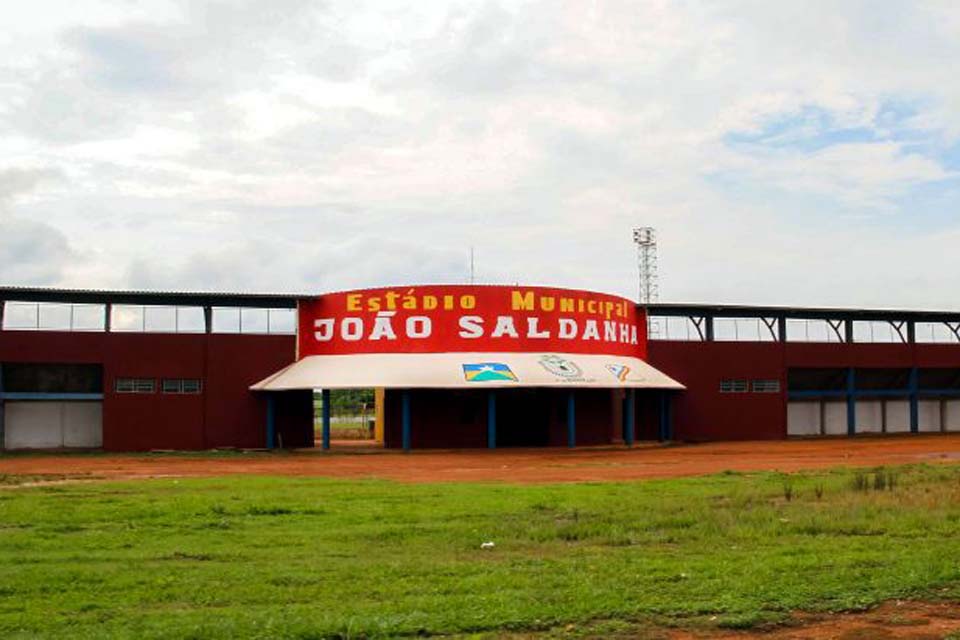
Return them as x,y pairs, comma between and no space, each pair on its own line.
619,370
561,366
488,372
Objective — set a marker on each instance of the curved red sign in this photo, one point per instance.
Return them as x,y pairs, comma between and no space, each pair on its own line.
470,318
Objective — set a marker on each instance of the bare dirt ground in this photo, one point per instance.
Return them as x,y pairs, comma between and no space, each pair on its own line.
524,465
892,621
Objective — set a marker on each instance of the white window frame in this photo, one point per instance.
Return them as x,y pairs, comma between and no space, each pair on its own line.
734,385
135,385
770,385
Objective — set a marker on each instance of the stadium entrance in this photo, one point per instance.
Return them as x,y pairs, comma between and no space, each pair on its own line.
473,366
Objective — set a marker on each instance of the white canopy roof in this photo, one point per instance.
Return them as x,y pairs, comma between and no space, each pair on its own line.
466,371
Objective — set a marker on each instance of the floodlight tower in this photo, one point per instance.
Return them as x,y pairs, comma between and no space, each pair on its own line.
646,240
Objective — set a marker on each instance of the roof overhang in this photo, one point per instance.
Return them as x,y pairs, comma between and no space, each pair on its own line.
467,371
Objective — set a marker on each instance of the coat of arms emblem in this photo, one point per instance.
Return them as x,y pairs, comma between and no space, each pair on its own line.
561,366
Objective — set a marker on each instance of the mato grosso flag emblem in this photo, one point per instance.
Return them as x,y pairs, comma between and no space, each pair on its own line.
561,366
488,372
621,371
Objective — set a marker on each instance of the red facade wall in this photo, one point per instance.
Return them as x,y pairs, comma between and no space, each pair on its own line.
225,414
703,413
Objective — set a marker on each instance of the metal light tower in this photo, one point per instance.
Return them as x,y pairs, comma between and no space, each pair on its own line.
646,240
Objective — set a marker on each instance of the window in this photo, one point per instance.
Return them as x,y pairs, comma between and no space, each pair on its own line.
190,386
135,385
766,386
734,386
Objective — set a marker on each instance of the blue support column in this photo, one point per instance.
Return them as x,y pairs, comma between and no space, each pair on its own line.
851,401
271,421
325,418
914,400
491,419
571,420
630,418
664,430
405,417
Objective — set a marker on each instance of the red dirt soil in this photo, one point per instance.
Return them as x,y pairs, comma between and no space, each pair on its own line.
900,620
525,465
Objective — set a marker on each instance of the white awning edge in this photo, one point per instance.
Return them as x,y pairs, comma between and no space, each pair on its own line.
467,371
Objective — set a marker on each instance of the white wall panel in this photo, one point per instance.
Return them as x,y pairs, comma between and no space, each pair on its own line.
835,417
869,416
51,425
928,415
82,424
32,425
898,416
803,418
951,417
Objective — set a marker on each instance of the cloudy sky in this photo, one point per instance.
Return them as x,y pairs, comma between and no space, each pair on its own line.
787,153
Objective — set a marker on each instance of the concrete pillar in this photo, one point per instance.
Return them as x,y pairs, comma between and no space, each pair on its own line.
325,419
405,417
914,400
271,420
851,401
630,418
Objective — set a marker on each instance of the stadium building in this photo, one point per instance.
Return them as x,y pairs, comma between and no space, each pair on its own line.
460,366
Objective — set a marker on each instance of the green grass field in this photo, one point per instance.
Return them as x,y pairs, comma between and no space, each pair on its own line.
311,558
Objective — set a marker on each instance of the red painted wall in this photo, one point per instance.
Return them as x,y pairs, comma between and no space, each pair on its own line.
703,413
226,414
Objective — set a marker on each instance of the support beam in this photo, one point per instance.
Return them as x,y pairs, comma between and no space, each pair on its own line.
2,304
771,325
325,419
491,419
630,418
405,418
914,387
108,317
271,420
571,419
208,319
782,328
49,397
708,323
851,401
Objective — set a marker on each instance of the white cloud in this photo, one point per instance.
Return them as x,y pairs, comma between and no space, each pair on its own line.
302,146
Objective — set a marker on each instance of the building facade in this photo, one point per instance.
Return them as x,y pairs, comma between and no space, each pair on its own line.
129,371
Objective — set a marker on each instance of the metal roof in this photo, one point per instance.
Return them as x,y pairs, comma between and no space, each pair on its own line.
289,301
147,298
801,313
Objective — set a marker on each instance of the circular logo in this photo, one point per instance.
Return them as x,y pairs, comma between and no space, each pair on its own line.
561,366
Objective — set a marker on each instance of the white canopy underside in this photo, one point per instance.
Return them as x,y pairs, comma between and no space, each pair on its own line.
466,371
